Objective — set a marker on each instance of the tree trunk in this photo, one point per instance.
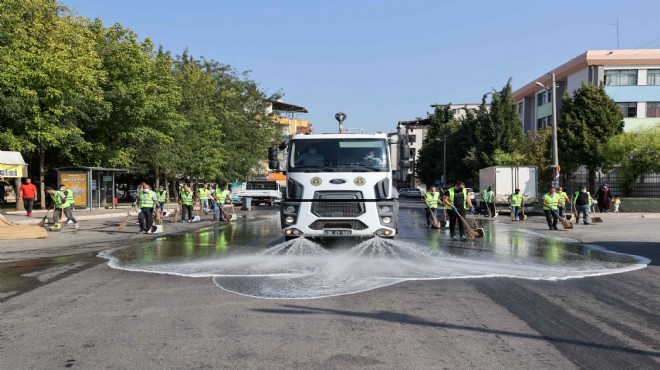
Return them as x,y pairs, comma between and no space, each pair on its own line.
19,195
592,180
157,178
175,189
42,188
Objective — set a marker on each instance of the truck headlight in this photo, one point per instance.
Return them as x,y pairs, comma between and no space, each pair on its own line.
290,209
387,220
289,219
386,209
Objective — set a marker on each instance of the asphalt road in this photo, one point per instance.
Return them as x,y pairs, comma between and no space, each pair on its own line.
84,314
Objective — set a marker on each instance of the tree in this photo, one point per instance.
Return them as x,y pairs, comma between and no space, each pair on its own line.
532,150
49,80
588,120
637,153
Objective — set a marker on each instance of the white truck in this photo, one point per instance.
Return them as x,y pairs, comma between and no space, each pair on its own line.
505,179
260,191
338,185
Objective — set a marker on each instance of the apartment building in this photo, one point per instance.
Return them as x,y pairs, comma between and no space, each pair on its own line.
631,78
460,110
288,118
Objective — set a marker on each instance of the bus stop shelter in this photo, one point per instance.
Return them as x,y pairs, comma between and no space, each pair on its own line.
93,187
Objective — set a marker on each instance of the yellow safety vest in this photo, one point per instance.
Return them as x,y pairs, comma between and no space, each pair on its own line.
578,193
146,199
186,198
552,202
563,197
203,193
57,198
516,200
490,197
162,196
451,197
432,199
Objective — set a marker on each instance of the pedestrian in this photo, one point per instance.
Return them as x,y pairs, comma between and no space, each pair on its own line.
490,202
29,193
603,197
457,201
550,204
186,202
221,196
617,203
516,200
431,198
146,201
563,197
482,202
61,206
203,195
583,204
70,199
161,194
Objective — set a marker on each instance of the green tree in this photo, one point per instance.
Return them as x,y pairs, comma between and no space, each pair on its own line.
532,150
588,119
49,80
637,153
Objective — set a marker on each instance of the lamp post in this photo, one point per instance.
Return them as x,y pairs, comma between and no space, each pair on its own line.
555,146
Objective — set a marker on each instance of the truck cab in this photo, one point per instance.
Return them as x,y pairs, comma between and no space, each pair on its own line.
339,185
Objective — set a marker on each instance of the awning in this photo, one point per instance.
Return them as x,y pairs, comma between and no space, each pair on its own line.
12,165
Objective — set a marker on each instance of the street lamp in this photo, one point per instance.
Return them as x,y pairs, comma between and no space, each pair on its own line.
555,146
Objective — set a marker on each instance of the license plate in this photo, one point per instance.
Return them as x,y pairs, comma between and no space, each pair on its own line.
337,232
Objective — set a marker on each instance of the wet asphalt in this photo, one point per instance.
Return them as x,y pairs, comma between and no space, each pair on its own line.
76,311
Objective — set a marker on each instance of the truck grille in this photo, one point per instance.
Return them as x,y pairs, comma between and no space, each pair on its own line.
338,204
338,224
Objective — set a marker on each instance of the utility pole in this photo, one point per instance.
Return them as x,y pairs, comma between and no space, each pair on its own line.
555,146
617,32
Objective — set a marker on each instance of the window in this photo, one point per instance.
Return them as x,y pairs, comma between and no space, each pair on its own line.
629,110
520,108
341,155
541,123
549,96
412,139
540,99
653,77
653,109
620,77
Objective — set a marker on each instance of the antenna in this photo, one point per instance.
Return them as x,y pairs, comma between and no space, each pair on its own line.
341,117
617,32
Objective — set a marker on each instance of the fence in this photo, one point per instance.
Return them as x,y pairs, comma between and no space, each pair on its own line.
647,186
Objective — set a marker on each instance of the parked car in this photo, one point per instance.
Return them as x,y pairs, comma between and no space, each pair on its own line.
403,192
414,193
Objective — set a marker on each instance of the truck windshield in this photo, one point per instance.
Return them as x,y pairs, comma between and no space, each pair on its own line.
261,185
357,155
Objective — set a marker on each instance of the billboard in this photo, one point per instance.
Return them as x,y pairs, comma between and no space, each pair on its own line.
78,183
13,170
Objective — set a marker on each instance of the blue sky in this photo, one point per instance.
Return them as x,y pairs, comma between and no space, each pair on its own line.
383,61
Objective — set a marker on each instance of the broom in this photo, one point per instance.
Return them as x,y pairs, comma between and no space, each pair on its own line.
445,222
524,216
434,220
471,234
478,229
573,210
42,223
233,213
122,225
564,222
595,218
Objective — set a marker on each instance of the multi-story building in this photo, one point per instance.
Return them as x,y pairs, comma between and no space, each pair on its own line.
287,117
631,78
460,110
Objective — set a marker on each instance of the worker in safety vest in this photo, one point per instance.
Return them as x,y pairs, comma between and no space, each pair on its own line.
490,202
161,194
70,200
431,198
550,204
61,206
583,202
516,200
563,201
203,195
186,202
457,202
146,201
221,196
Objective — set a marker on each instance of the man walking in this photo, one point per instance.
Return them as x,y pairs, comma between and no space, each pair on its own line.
516,200
222,196
161,194
583,203
61,206
186,202
146,201
431,198
29,195
563,198
550,203
490,202
70,199
457,201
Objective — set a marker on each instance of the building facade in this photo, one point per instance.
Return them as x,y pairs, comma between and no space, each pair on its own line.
460,110
631,79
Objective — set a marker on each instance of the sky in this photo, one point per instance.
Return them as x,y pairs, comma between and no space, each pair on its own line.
383,61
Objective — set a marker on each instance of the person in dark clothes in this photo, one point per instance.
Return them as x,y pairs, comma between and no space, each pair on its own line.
457,202
603,197
583,205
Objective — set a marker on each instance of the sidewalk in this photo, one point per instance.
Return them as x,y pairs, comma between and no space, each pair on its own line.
19,217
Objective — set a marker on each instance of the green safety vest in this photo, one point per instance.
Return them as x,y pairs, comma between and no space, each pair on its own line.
490,197
578,193
146,200
516,200
223,196
186,198
552,202
203,193
563,197
162,196
70,199
451,197
432,200
57,198
483,194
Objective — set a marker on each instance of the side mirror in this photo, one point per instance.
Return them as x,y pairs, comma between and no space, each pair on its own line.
272,153
273,165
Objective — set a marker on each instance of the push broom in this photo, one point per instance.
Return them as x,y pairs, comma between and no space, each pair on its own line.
42,223
471,234
434,220
478,230
122,225
564,222
595,218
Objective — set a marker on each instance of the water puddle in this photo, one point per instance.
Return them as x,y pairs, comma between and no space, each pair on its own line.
245,262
